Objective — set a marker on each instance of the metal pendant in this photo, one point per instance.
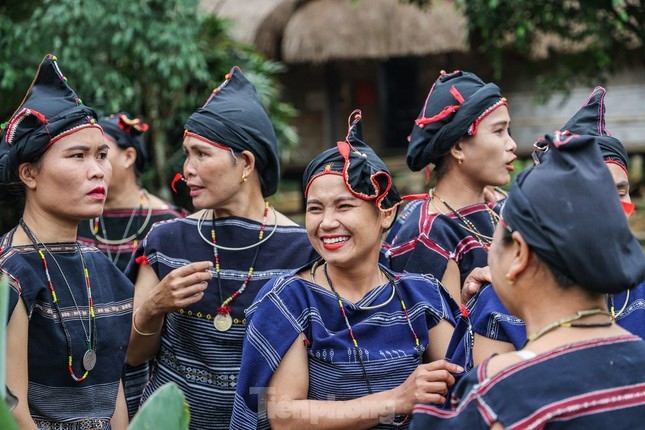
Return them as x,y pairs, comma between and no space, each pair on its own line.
223,322
89,359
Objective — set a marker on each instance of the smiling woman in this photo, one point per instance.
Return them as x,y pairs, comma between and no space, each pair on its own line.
351,343
68,327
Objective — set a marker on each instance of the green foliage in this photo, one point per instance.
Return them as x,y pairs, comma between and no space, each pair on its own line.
157,59
6,419
606,37
165,409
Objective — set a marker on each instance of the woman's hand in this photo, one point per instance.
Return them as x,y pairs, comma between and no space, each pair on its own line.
474,281
429,383
153,299
180,288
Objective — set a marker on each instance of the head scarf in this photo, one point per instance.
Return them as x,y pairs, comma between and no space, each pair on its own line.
590,120
365,174
49,111
454,107
127,133
556,206
234,117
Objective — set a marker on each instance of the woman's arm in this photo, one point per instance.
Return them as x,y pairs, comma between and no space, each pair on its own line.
153,299
451,280
439,336
288,407
17,364
120,418
484,347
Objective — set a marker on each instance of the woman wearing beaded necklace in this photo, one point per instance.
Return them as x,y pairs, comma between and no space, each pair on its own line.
70,307
552,264
128,214
495,330
463,130
130,210
196,276
341,342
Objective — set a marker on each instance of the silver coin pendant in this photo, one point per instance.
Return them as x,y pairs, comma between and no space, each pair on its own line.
89,359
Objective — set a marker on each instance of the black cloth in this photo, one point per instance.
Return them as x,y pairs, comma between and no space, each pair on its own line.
365,174
233,116
50,110
569,213
455,101
590,120
127,132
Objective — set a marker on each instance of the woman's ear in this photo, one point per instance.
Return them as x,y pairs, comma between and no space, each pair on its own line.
28,173
389,215
129,156
457,152
248,163
521,256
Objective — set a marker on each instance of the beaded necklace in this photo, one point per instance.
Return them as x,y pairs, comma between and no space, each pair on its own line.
568,322
89,357
612,309
312,274
359,354
223,320
202,218
483,239
98,221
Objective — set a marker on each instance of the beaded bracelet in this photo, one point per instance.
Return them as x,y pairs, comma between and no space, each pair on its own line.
134,325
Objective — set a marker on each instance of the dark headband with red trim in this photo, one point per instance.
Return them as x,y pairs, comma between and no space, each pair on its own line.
454,107
365,174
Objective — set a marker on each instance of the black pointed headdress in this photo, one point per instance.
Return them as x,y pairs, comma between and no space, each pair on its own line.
590,120
556,206
49,111
233,117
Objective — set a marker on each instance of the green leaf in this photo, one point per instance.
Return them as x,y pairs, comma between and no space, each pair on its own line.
6,419
165,409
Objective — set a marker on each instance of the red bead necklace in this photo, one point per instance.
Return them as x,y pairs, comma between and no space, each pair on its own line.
355,342
89,357
223,320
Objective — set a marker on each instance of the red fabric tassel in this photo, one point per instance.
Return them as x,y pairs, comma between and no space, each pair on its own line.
178,177
142,261
464,311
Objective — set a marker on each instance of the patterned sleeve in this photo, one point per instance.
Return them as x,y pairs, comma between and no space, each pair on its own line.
490,318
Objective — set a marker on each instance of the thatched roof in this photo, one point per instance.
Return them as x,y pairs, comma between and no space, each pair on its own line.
317,31
324,30
257,22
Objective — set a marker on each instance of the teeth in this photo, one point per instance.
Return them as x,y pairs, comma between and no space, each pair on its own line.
335,240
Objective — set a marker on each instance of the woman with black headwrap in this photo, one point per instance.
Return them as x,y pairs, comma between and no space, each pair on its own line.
130,210
341,342
552,264
463,130
70,307
196,276
495,329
